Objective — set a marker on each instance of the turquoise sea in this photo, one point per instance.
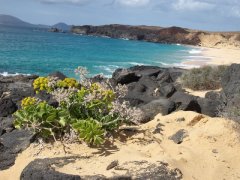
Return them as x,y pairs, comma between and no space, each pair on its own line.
34,51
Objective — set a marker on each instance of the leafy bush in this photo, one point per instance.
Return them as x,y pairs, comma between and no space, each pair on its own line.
41,84
42,118
90,131
91,109
67,83
28,101
204,78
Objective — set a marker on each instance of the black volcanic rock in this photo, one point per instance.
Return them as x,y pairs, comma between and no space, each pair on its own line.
123,76
7,107
185,102
150,110
209,107
40,169
58,75
11,144
43,169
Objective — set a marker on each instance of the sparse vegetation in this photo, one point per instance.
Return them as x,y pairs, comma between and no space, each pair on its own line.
204,78
90,109
231,108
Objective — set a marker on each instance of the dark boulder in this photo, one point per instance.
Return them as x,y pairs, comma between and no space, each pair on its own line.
58,75
133,74
212,95
150,110
7,107
149,85
125,76
164,77
6,123
18,78
13,143
44,96
167,91
138,98
146,70
19,90
41,169
2,131
175,73
209,107
185,102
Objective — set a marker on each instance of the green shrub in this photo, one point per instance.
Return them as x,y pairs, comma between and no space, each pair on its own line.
90,110
204,78
90,131
42,118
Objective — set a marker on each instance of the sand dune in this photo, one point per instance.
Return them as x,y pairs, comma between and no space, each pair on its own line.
210,149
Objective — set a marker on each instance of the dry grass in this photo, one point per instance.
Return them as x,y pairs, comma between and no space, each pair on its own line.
204,78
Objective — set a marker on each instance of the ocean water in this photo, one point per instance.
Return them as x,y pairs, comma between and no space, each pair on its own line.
34,51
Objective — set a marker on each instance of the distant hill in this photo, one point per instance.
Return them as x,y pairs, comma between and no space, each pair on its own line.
13,21
8,20
62,26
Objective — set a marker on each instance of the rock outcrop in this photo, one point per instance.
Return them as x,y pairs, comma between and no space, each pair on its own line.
152,89
170,35
43,169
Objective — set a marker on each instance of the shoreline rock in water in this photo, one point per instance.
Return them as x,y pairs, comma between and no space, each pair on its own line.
153,89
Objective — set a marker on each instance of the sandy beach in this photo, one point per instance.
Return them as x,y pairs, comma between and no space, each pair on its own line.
214,56
211,146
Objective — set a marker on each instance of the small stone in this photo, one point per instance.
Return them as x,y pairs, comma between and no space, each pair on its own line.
214,151
195,120
179,136
180,119
112,165
158,129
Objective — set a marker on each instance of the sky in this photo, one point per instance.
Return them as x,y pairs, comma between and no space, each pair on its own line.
213,15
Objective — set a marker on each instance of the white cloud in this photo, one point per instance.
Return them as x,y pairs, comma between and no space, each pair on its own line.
191,5
66,1
133,3
235,11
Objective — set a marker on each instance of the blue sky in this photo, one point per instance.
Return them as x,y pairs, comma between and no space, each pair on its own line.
215,15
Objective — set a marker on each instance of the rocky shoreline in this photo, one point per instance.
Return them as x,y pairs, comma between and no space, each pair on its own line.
153,89
170,35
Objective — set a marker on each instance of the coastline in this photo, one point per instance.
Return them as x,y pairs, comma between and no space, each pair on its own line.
214,56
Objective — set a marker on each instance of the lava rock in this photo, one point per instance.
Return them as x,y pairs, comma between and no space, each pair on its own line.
7,107
44,96
179,136
124,76
175,73
112,165
209,107
212,95
150,110
164,77
6,123
41,169
58,75
167,90
185,102
12,144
